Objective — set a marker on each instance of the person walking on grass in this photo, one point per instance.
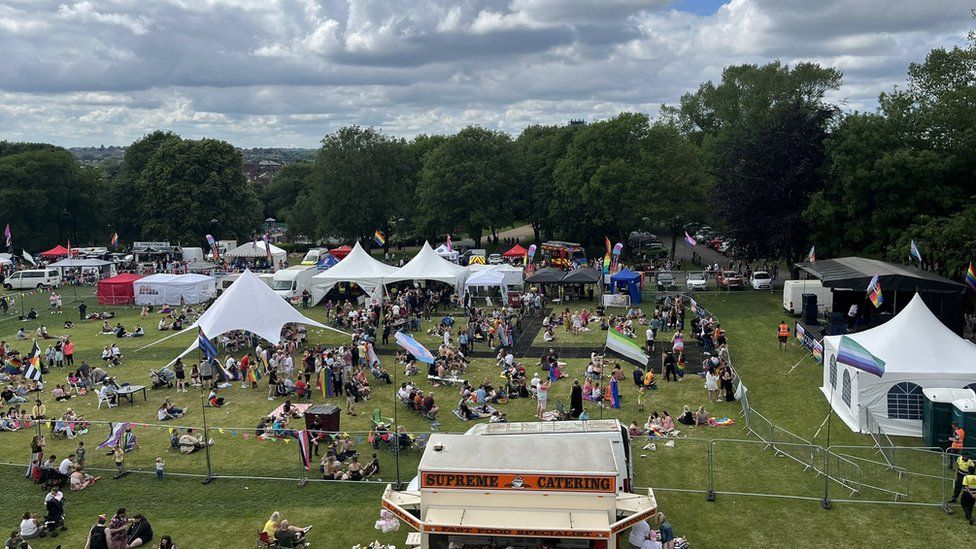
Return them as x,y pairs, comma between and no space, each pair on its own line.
783,333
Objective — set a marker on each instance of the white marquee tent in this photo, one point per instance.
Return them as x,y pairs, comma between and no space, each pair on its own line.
257,250
358,267
427,265
514,276
249,304
919,353
487,279
448,254
170,289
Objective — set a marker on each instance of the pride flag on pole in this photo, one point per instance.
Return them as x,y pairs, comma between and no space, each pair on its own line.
8,235
812,254
854,355
623,346
414,347
913,252
971,276
606,258
874,292
690,239
379,238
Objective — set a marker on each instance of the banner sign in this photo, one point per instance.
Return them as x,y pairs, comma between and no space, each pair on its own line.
530,483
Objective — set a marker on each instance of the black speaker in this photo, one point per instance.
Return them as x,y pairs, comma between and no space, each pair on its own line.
809,308
836,325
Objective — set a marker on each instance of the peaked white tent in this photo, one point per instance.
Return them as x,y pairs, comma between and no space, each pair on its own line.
919,353
446,253
427,265
257,250
249,304
514,276
487,279
358,267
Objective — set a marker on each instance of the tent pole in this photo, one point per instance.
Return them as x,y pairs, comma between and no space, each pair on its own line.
825,502
206,435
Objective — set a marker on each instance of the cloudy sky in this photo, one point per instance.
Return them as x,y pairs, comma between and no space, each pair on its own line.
287,72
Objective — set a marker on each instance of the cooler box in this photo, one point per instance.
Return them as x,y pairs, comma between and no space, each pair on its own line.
964,414
937,414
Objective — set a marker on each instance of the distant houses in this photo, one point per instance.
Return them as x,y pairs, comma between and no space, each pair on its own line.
262,171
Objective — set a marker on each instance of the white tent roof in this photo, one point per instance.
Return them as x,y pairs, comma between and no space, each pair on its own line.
428,265
249,304
358,267
70,263
485,278
917,349
255,249
514,276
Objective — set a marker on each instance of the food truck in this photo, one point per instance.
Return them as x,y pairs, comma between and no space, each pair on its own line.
515,491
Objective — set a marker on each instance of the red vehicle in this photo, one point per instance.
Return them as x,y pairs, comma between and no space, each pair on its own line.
729,280
564,255
715,242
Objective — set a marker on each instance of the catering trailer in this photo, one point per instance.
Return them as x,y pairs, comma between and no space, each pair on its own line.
515,491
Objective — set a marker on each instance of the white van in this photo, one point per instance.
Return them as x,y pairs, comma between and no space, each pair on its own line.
192,254
33,278
313,256
793,291
291,282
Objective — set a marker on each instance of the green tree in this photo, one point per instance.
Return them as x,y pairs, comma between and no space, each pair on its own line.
47,197
538,149
186,184
356,185
467,182
283,191
124,192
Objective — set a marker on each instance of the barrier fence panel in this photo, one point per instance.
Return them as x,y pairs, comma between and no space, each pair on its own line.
921,480
670,464
742,467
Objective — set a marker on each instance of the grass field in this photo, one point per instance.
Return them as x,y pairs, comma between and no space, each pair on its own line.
228,512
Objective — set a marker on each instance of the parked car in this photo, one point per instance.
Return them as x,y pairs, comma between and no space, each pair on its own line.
761,280
729,280
716,242
637,240
704,233
696,281
666,282
724,247
495,259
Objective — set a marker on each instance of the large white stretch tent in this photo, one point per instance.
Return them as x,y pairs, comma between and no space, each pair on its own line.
427,265
919,353
170,289
358,267
250,305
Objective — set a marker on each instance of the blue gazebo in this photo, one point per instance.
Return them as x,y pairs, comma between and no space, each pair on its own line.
631,281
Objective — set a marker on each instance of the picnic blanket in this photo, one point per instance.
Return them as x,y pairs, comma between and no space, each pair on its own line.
300,408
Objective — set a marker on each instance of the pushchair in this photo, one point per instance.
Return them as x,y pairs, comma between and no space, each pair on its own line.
54,519
162,378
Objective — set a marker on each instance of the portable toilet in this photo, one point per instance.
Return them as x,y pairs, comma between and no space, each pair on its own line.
937,414
964,414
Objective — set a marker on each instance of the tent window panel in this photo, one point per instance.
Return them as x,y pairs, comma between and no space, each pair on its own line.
833,373
845,392
905,401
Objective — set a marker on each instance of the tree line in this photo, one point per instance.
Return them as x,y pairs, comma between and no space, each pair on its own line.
766,155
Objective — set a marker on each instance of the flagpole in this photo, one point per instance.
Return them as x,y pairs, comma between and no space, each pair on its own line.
206,433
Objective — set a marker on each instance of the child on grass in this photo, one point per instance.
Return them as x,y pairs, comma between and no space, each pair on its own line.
159,468
119,454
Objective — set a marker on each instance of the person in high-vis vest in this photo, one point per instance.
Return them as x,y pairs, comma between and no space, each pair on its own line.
957,439
964,466
968,496
783,334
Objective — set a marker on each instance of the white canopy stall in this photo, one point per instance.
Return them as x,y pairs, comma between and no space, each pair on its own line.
249,304
170,289
427,265
358,267
919,353
257,250
447,253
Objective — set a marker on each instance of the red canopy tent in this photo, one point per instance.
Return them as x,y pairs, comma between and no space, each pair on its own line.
341,252
58,251
516,251
117,290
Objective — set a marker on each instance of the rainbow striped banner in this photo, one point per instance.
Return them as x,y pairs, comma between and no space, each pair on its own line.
971,276
874,292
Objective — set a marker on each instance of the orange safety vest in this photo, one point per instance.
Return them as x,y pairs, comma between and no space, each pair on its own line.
784,330
960,438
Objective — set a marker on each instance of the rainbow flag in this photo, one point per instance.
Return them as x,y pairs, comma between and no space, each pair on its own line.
874,292
851,353
971,276
379,238
606,258
115,240
818,351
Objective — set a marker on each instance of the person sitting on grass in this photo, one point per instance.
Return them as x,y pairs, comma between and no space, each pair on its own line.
372,468
214,400
701,416
139,532
80,480
189,443
276,523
